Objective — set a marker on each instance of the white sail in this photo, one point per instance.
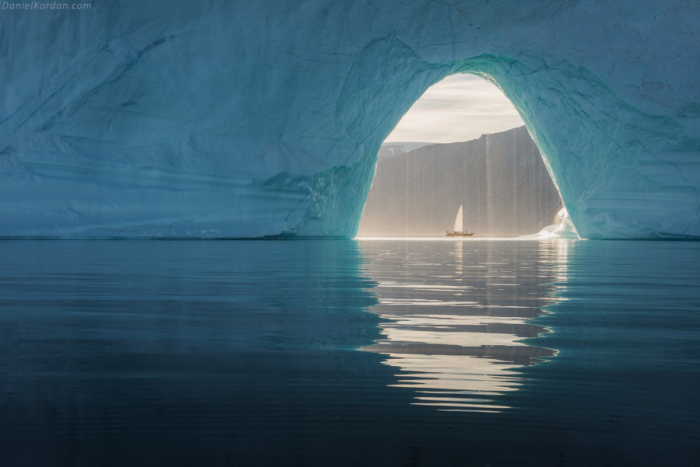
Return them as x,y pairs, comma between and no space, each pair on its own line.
459,220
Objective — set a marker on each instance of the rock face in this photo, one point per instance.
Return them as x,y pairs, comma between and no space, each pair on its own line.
394,149
244,119
500,180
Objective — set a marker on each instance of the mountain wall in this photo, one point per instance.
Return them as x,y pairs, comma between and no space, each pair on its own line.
500,180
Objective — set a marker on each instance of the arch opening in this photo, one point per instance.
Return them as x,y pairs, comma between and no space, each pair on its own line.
462,144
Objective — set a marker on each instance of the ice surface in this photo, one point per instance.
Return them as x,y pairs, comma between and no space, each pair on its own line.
247,119
564,229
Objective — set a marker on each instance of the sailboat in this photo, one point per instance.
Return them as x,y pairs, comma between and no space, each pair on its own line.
459,225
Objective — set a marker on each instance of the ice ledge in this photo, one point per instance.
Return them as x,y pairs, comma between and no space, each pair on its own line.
564,229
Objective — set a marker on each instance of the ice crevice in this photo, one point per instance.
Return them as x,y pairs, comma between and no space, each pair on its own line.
122,121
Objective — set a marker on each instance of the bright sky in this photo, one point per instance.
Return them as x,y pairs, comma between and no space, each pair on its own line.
458,108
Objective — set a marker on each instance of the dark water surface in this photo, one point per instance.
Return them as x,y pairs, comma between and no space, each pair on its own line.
381,353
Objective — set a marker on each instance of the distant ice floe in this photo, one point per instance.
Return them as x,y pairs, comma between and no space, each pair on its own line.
564,229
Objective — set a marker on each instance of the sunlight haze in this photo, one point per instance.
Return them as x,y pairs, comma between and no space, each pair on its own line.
458,108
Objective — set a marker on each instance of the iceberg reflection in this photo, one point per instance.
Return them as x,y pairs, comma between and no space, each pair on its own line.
455,316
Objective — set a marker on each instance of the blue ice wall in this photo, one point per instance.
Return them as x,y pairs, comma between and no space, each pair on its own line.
246,119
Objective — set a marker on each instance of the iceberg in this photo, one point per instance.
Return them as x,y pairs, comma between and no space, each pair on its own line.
564,229
253,119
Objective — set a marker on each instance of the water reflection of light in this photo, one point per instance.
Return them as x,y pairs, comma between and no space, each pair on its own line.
459,257
455,316
560,252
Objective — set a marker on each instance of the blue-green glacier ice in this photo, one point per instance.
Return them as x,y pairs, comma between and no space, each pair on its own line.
248,119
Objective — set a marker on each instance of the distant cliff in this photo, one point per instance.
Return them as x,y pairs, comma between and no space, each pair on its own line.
500,179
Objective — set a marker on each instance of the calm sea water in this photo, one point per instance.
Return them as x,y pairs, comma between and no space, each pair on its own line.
378,353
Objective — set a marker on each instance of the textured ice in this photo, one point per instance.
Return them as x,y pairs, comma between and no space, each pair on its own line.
564,229
243,119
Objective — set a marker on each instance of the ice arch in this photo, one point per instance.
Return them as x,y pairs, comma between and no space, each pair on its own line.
243,119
